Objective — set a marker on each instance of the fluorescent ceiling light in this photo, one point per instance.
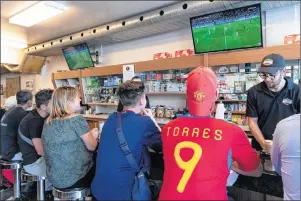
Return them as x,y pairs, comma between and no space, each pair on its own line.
37,13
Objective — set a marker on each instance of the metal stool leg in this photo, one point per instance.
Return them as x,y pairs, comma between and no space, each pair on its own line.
40,190
17,183
1,178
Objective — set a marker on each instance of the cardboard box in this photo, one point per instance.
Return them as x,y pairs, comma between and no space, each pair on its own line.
162,55
181,53
290,39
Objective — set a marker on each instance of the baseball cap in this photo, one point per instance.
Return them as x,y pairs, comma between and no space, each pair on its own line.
201,91
272,63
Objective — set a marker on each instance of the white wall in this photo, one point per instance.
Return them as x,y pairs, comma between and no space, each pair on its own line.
52,64
281,22
13,37
11,55
143,49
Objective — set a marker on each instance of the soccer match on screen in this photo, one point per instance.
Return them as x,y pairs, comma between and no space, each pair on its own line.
233,29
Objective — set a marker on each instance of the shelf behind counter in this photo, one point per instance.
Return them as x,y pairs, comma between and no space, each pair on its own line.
94,120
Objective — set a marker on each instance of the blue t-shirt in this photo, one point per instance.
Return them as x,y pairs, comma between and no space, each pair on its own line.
114,176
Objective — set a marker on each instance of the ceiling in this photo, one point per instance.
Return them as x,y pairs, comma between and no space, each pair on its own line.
80,15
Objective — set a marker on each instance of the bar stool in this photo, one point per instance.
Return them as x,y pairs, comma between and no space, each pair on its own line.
16,166
40,183
70,194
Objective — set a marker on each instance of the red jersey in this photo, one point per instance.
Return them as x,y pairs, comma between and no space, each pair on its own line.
196,157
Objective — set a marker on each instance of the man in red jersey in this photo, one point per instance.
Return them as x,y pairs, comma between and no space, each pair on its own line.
198,149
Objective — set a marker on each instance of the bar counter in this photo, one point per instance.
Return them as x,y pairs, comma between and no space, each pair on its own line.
267,187
160,121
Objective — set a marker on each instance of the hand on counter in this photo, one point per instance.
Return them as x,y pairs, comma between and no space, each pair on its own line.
255,173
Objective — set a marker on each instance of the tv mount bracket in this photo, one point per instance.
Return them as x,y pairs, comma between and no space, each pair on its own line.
96,57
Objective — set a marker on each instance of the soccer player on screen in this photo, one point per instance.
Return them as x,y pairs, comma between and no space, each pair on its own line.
200,150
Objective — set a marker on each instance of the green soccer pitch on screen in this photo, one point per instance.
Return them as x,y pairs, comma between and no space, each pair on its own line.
78,57
238,28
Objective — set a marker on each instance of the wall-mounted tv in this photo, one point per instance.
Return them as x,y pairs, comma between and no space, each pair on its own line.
78,57
238,28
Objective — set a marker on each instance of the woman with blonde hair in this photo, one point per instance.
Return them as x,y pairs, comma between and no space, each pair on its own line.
68,142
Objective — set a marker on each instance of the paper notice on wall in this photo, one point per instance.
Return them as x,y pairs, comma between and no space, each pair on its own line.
128,72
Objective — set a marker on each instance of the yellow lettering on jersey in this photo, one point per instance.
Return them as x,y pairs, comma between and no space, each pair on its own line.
206,133
168,130
187,166
195,131
185,131
176,131
218,135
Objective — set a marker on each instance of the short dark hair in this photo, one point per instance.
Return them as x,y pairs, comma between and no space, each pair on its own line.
136,77
23,96
130,92
43,97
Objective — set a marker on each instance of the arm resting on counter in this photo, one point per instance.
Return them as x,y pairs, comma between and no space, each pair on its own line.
90,141
252,122
244,155
255,173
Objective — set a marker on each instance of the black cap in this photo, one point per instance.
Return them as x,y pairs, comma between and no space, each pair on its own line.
272,64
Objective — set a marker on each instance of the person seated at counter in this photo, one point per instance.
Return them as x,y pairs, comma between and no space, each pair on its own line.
285,155
114,174
9,103
30,133
198,149
68,142
134,79
10,123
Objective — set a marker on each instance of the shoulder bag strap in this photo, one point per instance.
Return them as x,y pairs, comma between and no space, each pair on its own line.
124,145
27,140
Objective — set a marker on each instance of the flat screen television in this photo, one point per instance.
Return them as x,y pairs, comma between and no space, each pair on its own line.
78,57
238,28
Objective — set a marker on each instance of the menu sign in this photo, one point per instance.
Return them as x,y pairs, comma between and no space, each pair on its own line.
128,72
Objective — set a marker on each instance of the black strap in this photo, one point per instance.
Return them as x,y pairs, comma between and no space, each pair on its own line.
124,145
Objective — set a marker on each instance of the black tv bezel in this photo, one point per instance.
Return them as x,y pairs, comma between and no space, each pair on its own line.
242,48
89,54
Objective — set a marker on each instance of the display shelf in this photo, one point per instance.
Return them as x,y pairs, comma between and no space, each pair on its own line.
230,100
66,78
66,75
235,112
255,55
217,59
103,104
229,73
289,52
167,93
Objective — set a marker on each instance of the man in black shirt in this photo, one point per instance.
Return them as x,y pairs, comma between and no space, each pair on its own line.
272,100
10,123
135,79
30,131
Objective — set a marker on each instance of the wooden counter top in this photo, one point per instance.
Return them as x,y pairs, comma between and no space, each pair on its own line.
161,121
